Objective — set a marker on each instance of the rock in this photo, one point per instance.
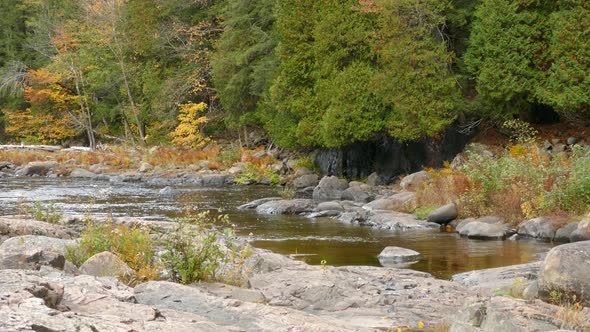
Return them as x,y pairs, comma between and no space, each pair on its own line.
304,181
234,170
557,148
444,214
227,312
397,221
540,228
301,171
394,255
582,232
81,173
32,251
12,227
563,234
414,181
105,264
485,228
531,291
166,191
6,164
566,269
329,206
254,204
572,140
232,292
284,206
507,314
400,201
357,194
479,149
374,180
330,188
500,278
145,167
40,168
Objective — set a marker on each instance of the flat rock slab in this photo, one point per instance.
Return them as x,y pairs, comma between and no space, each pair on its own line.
393,255
14,226
499,278
397,221
286,206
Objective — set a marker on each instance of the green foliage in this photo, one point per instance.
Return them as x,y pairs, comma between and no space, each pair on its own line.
520,132
253,173
423,211
44,212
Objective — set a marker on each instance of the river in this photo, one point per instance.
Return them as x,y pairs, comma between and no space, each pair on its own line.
311,240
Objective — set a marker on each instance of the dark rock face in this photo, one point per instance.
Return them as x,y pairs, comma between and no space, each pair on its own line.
390,158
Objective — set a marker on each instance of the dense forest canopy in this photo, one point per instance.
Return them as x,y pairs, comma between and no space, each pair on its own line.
309,72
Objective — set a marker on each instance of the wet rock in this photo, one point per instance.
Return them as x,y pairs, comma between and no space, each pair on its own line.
397,221
330,188
12,227
540,228
393,255
105,264
563,234
443,214
81,173
507,314
485,228
32,251
304,181
582,232
40,168
499,278
400,201
145,167
254,204
414,181
284,206
566,269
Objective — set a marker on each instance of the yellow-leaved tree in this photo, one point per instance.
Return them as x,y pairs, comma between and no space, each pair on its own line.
188,131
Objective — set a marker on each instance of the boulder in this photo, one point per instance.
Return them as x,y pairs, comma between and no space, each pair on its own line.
582,232
286,206
540,228
499,278
566,269
374,180
397,221
563,234
444,214
329,206
12,227
254,204
145,167
32,251
394,255
40,168
301,171
508,314
105,264
81,173
484,228
357,194
330,188
396,202
414,181
304,181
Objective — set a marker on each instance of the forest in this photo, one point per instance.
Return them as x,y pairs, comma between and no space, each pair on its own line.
309,73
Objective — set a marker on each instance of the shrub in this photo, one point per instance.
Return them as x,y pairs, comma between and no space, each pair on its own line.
44,212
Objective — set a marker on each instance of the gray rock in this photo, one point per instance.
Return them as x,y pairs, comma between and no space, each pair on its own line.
443,214
414,181
485,228
507,314
301,171
105,264
329,206
233,292
499,278
81,173
145,167
234,170
330,188
166,191
400,201
12,226
540,228
582,232
40,168
357,194
374,180
254,204
566,269
572,140
32,251
304,181
394,255
397,221
284,206
531,291
563,234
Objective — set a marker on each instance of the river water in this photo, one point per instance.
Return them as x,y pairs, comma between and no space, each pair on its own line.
311,240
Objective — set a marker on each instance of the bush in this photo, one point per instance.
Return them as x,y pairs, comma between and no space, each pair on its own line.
44,212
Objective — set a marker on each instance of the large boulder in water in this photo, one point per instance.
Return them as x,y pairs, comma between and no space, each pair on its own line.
395,255
484,228
566,270
39,168
81,173
286,206
540,228
582,232
330,188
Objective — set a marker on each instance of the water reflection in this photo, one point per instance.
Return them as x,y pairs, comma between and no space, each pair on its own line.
311,240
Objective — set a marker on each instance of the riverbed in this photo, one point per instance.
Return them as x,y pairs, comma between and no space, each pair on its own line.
311,240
